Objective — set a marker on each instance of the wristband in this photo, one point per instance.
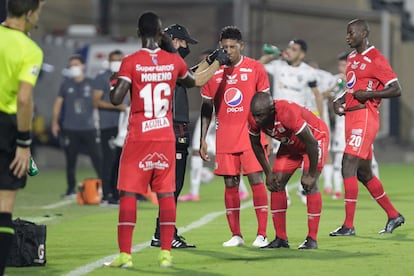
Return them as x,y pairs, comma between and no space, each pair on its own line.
24,139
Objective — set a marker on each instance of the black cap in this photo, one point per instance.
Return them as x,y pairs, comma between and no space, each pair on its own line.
180,32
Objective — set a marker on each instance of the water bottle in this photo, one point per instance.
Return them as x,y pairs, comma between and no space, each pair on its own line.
341,83
271,49
33,170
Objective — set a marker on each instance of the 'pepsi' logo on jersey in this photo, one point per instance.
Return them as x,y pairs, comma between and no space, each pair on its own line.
233,97
350,79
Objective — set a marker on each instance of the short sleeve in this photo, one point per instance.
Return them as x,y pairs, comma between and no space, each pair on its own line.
262,83
31,64
125,70
383,70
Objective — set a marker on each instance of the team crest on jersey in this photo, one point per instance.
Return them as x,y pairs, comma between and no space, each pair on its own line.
355,64
231,79
243,77
154,59
153,161
351,79
363,66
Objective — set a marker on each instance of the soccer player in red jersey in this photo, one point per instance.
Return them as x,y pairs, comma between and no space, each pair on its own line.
303,138
229,92
369,79
148,155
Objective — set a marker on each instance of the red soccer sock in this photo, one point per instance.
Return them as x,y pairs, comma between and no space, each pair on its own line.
260,203
167,221
314,206
278,207
351,196
232,203
376,190
126,222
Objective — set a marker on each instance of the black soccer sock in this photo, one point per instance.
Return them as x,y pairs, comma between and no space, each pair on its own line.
6,238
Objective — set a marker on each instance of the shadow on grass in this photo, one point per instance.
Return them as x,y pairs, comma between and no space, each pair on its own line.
255,254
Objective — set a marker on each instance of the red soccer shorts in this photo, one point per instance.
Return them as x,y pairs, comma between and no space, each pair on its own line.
147,163
288,160
235,163
361,128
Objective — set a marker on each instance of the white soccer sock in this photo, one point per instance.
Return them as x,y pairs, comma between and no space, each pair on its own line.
375,168
242,185
195,175
327,175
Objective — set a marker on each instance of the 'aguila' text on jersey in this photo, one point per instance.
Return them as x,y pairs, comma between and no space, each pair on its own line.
232,89
367,71
152,74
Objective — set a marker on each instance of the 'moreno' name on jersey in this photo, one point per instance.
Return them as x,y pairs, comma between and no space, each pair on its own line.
155,73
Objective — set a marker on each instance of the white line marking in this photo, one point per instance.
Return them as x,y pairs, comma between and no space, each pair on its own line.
198,223
59,204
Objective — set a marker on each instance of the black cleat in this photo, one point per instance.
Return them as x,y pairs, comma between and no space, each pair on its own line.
277,243
392,223
343,231
155,242
177,243
309,243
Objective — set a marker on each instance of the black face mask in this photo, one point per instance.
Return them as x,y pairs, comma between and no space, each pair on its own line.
183,52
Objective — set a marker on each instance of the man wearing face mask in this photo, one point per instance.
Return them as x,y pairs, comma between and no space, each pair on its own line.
180,108
108,123
74,121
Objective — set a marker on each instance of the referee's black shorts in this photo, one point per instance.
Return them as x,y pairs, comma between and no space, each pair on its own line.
8,135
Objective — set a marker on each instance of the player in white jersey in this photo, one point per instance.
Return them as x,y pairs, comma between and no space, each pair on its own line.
292,81
326,83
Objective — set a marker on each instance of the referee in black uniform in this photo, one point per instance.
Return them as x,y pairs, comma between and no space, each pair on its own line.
181,120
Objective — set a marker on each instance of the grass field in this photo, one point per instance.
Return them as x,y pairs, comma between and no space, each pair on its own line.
81,238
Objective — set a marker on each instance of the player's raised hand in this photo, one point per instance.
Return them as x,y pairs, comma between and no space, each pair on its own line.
222,57
212,56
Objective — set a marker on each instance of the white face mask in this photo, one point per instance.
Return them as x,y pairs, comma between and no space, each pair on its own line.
75,71
114,66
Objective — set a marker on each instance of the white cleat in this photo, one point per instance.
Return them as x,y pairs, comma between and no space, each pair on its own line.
260,241
234,241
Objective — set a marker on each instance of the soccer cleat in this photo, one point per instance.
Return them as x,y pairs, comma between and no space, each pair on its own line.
165,258
343,231
243,195
277,243
327,191
392,223
337,195
123,260
309,243
234,241
177,243
155,242
189,197
260,241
